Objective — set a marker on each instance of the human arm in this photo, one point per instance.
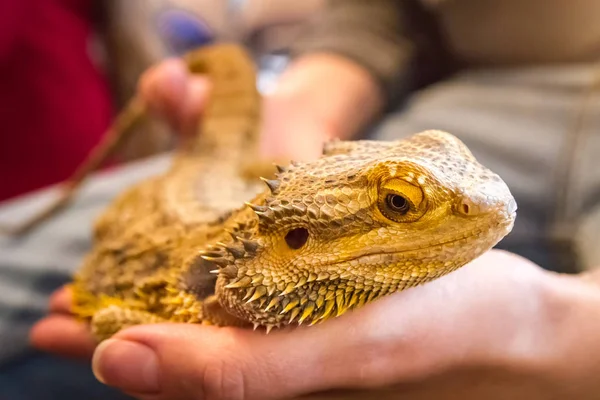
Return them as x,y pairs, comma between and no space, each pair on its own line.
351,64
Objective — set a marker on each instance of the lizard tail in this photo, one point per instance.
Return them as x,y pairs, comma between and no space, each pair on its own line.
230,123
230,119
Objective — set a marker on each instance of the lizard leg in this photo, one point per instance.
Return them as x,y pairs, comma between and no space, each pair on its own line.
110,320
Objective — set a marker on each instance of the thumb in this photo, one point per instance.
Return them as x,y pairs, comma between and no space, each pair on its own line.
180,361
173,93
186,361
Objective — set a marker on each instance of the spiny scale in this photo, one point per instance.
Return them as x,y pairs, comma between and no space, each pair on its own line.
301,309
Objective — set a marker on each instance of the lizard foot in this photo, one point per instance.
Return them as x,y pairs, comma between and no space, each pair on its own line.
110,320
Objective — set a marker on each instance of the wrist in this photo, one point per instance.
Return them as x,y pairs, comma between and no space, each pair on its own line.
566,355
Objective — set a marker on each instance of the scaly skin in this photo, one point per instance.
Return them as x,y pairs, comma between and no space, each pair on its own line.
365,220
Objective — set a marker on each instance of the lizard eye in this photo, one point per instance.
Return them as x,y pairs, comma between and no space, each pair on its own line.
397,203
401,201
296,238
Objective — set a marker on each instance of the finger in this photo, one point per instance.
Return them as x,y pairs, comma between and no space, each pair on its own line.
174,94
63,336
163,88
195,100
61,300
191,362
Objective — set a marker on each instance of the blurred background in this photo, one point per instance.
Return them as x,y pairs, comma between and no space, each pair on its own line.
68,66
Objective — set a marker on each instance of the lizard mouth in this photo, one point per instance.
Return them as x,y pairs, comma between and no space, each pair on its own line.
383,252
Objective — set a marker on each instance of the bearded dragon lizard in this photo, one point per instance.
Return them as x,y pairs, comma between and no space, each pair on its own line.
324,237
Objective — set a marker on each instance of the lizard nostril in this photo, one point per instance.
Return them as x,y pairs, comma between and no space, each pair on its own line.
465,208
468,208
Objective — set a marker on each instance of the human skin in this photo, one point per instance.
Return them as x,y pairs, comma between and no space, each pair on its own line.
498,328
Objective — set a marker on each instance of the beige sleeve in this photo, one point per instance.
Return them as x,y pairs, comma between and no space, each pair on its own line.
371,33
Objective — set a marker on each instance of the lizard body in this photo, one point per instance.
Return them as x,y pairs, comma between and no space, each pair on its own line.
365,220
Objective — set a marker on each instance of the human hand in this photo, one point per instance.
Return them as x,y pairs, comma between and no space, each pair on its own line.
497,328
318,98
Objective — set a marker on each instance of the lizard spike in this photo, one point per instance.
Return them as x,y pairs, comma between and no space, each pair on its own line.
220,261
341,307
256,325
308,310
320,301
294,314
211,253
214,248
280,168
301,282
258,293
372,296
262,302
328,309
249,245
242,283
288,289
269,327
353,299
258,278
234,237
214,271
249,293
311,277
292,304
272,184
257,209
323,276
271,289
229,271
274,301
362,299
235,251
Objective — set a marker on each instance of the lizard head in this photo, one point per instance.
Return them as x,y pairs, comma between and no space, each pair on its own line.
367,219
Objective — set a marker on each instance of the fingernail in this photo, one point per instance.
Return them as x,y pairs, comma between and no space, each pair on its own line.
129,366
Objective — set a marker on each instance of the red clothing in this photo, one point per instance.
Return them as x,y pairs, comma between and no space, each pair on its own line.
54,102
